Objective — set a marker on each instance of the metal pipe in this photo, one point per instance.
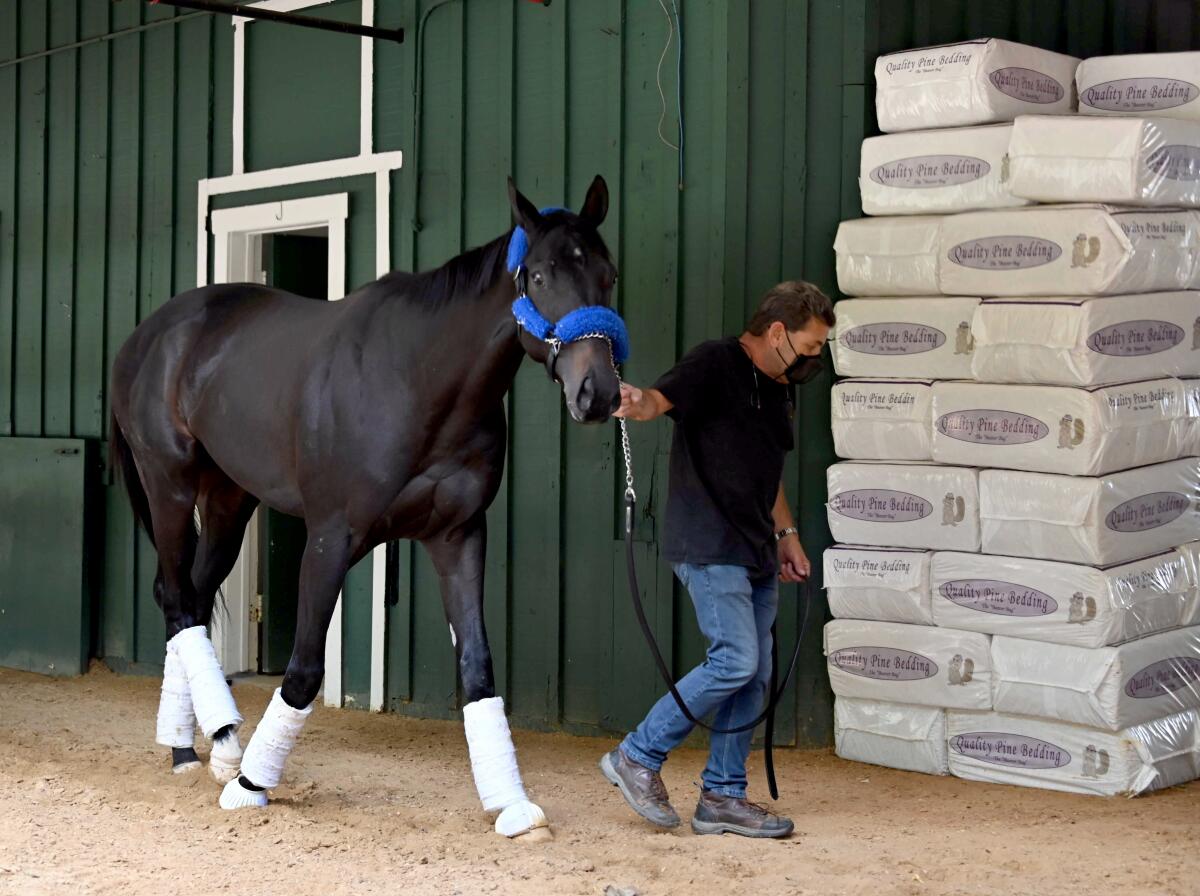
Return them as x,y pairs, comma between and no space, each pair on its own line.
288,18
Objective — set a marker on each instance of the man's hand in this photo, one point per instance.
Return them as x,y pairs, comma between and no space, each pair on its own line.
641,404
793,562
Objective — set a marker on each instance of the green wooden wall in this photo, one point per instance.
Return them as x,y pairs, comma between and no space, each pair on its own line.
101,146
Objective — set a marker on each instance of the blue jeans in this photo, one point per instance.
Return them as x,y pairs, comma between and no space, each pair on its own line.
735,614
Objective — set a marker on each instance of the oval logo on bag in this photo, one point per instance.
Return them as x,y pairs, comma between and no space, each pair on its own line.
1002,253
1128,94
923,172
981,426
880,505
1164,677
884,663
892,338
1175,162
1147,512
1026,85
1131,338
998,598
1013,750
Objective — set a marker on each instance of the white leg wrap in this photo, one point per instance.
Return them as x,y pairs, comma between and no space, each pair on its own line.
176,719
211,697
273,741
494,765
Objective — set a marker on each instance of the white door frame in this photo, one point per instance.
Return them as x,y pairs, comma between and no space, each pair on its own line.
237,258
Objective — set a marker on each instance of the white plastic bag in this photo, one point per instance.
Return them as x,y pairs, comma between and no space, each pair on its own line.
888,256
1058,429
1089,158
882,419
910,338
1087,341
895,735
885,584
937,172
1062,603
973,82
1094,520
1161,84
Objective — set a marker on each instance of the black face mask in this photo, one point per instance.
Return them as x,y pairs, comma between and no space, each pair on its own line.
803,369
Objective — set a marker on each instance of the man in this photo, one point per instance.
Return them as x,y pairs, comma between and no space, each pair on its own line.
730,537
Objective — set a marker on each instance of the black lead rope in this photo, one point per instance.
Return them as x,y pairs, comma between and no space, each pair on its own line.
768,714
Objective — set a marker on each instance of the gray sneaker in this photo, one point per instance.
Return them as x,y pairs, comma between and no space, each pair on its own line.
719,814
642,788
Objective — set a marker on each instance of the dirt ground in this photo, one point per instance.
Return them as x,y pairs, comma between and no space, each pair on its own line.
383,804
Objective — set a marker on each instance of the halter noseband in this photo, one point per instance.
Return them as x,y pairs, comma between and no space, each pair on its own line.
587,322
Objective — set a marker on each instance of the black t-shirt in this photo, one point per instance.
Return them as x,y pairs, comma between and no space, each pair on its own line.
732,430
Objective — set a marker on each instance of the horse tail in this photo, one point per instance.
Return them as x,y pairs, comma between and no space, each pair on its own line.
121,464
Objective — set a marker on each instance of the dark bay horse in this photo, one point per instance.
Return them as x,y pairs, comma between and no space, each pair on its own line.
374,418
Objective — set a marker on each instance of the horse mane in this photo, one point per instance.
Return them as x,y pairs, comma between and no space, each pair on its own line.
467,275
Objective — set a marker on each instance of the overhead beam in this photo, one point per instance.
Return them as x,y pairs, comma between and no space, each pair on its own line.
288,18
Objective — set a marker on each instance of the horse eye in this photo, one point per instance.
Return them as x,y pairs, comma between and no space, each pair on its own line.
578,253
538,279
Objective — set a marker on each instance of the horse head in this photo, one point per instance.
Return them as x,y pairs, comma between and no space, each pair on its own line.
567,275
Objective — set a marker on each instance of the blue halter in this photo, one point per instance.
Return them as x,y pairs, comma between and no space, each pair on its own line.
588,322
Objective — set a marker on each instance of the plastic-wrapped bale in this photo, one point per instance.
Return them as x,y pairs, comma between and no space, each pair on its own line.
888,256
882,419
1105,687
1086,341
1058,429
1189,423
884,584
900,663
1062,603
973,82
1159,84
1094,520
1191,609
1078,250
1006,749
1130,161
937,172
895,735
923,338
904,505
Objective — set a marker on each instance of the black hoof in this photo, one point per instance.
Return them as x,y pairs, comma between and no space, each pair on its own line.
183,758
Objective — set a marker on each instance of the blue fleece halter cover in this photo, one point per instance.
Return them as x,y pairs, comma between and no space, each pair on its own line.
582,323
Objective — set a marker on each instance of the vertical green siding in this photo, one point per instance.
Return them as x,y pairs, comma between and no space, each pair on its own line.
101,148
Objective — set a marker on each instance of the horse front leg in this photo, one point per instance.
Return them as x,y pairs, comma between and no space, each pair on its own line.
323,568
458,556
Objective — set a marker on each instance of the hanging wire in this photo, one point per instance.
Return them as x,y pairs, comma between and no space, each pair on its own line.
674,24
658,74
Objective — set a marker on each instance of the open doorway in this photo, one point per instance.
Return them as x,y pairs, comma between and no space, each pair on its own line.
298,246
296,261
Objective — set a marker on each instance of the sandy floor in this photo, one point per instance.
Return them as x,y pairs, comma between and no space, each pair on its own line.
381,804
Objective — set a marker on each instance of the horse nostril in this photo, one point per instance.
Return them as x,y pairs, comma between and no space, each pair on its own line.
586,394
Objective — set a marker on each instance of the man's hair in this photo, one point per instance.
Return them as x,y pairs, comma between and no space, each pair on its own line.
793,303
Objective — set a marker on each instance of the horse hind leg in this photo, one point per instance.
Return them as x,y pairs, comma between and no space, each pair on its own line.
171,493
327,556
224,511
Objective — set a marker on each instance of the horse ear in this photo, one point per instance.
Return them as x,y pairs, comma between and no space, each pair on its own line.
595,206
524,213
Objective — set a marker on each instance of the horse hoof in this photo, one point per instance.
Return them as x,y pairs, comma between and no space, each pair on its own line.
235,796
225,760
184,767
536,835
524,819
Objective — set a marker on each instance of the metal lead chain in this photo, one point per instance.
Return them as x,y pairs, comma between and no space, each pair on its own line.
630,494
